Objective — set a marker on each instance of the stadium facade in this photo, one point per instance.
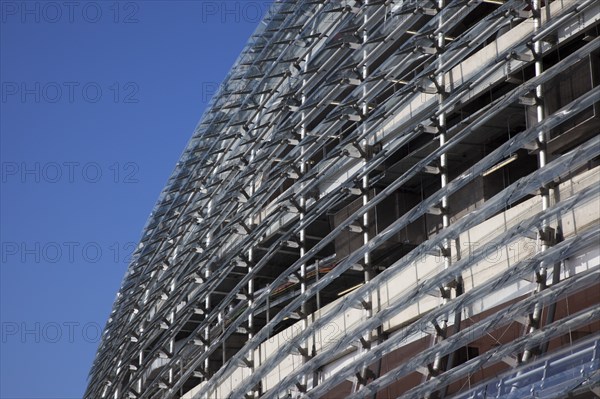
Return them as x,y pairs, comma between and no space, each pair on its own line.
384,199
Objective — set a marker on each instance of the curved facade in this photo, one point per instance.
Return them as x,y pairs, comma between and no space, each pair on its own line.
383,199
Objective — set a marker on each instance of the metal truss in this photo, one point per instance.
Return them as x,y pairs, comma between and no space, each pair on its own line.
277,217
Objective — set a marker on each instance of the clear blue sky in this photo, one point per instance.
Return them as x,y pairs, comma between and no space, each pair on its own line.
98,100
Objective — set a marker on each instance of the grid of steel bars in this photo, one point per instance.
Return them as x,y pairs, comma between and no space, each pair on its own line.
306,122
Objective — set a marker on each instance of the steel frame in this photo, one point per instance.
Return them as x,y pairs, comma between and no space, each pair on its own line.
323,98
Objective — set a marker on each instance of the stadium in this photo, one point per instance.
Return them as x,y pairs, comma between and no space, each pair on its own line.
383,199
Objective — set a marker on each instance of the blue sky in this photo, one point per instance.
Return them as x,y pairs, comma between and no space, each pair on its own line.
98,100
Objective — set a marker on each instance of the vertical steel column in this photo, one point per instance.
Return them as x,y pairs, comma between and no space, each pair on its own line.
253,186
172,340
368,311
251,316
440,82
171,350
221,320
302,238
139,383
364,145
540,115
207,302
306,353
116,395
141,331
